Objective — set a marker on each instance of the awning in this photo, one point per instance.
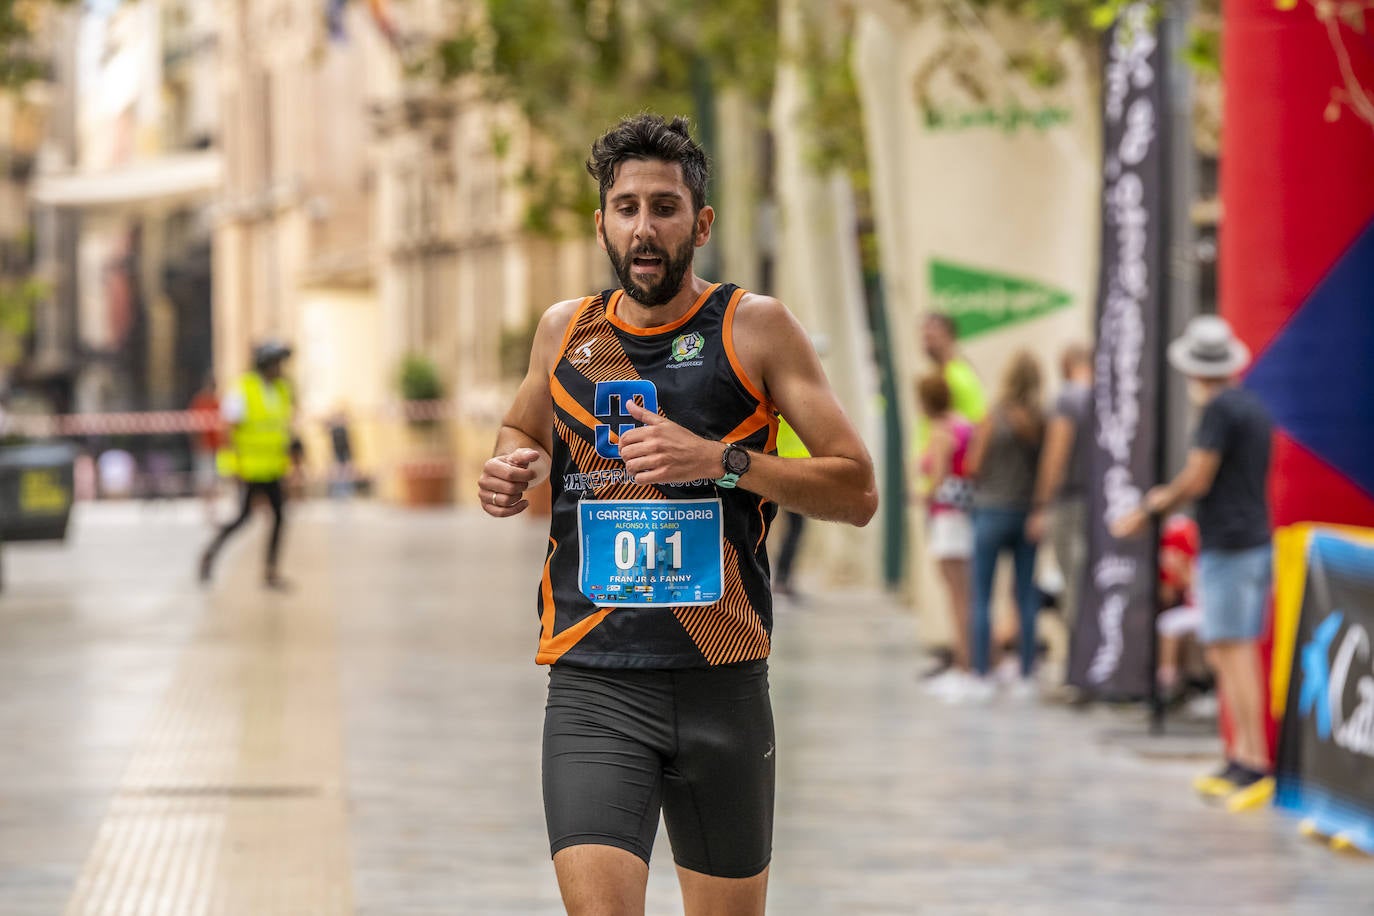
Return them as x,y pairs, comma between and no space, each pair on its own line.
166,179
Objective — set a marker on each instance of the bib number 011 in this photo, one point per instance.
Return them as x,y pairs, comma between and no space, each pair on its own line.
641,553
626,550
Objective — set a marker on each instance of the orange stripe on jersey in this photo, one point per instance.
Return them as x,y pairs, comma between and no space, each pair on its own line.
610,364
586,460
756,421
563,399
568,332
763,520
727,334
628,328
551,650
552,647
547,618
729,630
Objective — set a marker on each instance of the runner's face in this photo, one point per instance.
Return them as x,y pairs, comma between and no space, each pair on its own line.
649,230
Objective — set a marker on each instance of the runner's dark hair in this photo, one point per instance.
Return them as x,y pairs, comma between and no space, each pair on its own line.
650,136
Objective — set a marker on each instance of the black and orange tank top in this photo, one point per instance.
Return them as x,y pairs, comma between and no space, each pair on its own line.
665,575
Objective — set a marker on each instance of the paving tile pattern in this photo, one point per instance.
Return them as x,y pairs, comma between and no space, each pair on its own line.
369,744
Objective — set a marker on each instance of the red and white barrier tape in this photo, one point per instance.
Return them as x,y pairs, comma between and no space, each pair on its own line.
167,422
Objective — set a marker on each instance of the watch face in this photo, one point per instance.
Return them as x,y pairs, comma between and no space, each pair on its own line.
736,460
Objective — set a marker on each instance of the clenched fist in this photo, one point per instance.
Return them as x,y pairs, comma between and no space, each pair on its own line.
501,488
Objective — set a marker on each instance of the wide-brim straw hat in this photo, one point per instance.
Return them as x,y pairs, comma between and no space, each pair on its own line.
1208,349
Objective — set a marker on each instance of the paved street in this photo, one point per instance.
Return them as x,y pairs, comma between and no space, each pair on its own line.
369,743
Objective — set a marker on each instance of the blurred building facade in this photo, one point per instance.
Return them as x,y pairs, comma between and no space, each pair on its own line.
124,187
370,214
32,358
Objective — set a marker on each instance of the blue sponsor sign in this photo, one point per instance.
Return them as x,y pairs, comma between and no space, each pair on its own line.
1325,763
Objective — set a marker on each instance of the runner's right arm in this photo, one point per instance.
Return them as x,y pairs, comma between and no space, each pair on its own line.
524,445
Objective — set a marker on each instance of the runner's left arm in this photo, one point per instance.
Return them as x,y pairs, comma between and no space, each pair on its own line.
836,483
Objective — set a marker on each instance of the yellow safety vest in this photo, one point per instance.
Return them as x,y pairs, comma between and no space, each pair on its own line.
260,444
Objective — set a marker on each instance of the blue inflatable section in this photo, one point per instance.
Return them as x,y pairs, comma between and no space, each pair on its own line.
1317,375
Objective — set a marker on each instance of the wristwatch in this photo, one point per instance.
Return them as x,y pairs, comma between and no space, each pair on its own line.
735,460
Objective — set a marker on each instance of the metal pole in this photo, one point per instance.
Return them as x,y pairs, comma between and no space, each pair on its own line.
893,484
1180,294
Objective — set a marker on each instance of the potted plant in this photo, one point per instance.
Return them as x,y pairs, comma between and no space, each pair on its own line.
426,470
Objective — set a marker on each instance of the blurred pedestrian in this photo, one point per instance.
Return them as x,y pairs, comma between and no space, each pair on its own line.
1003,461
948,496
1061,485
789,446
939,339
1226,475
1179,620
342,475
259,414
117,473
654,393
206,443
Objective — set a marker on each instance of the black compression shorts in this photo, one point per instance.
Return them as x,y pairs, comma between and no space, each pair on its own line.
696,742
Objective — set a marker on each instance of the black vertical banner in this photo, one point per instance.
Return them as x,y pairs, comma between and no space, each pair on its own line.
1112,647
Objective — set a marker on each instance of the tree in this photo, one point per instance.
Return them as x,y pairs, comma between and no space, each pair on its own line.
17,301
20,23
571,67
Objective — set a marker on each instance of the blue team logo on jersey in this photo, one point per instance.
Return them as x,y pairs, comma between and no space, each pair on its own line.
610,404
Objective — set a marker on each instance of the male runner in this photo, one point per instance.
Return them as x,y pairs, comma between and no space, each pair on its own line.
653,411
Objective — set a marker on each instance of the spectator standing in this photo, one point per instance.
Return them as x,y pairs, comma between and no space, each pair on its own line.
1061,485
1003,461
1226,474
1179,620
948,497
939,339
343,476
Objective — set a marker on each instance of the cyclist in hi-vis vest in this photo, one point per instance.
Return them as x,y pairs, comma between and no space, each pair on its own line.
258,412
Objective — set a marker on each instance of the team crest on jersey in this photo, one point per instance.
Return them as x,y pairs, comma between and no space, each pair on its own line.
688,346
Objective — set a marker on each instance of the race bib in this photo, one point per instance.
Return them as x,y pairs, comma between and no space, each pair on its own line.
646,552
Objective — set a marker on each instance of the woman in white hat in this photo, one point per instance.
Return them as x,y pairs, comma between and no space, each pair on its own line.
1226,475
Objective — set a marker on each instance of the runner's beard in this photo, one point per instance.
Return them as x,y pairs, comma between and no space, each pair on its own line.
660,292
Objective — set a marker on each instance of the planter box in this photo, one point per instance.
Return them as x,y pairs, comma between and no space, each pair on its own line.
426,483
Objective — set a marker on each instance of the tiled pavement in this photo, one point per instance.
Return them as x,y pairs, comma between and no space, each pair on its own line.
369,744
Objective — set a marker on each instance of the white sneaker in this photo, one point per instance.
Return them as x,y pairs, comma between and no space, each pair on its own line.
944,682
972,690
1024,690
1203,707
1007,672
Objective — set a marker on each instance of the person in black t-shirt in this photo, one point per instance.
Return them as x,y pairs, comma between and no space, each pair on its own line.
1226,474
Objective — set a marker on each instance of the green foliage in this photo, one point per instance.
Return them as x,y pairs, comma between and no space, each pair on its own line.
575,67
834,116
419,379
1085,20
18,299
1081,19
19,19
1203,51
